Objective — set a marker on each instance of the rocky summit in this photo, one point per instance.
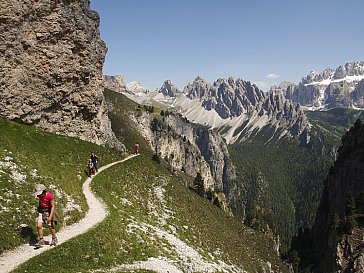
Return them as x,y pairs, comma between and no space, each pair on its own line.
169,89
51,67
115,83
339,88
243,107
238,109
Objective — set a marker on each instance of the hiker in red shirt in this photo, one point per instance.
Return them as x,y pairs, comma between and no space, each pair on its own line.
46,214
90,168
136,148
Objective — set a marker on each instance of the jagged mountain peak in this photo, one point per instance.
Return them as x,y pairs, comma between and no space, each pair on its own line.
349,69
197,89
135,87
199,78
231,82
339,88
169,89
313,76
115,83
234,104
242,108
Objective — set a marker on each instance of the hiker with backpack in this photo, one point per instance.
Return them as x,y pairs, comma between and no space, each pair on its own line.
94,160
136,148
47,214
90,167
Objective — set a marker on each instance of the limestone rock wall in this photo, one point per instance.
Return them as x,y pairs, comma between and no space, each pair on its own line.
188,148
337,236
51,59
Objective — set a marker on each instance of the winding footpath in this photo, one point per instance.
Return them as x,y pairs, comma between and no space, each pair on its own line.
97,213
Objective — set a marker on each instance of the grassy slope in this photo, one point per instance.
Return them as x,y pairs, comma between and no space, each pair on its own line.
129,192
58,160
120,121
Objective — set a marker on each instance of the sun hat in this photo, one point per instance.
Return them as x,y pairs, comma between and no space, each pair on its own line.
39,188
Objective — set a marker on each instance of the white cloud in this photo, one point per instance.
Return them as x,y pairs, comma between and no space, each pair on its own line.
272,76
265,86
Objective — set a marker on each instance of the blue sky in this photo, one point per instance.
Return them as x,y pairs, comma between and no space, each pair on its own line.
264,42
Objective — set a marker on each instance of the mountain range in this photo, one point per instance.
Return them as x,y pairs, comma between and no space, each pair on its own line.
228,174
332,88
237,109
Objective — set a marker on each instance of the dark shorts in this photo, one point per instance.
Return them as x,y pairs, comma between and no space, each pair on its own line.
45,215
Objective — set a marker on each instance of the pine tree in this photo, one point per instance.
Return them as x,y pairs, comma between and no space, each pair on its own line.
198,185
350,221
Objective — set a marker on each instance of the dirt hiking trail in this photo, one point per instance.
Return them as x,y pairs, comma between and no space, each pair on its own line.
97,213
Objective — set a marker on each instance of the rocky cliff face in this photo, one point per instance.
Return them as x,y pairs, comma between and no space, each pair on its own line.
349,69
51,67
115,83
338,232
229,97
358,95
236,108
327,74
329,89
169,89
338,94
245,108
198,89
189,148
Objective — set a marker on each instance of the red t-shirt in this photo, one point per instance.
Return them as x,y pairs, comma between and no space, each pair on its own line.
45,200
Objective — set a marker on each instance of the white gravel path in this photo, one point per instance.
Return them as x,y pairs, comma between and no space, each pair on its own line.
96,214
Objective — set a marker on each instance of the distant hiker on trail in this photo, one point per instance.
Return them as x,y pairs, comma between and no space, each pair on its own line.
90,167
136,148
47,214
94,160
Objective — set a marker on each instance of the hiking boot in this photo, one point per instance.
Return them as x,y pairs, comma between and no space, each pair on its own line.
54,241
40,243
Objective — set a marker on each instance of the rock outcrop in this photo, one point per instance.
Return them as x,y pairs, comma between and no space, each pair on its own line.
169,89
51,67
337,236
234,99
349,69
338,95
229,97
115,83
329,89
198,89
358,95
327,74
188,148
